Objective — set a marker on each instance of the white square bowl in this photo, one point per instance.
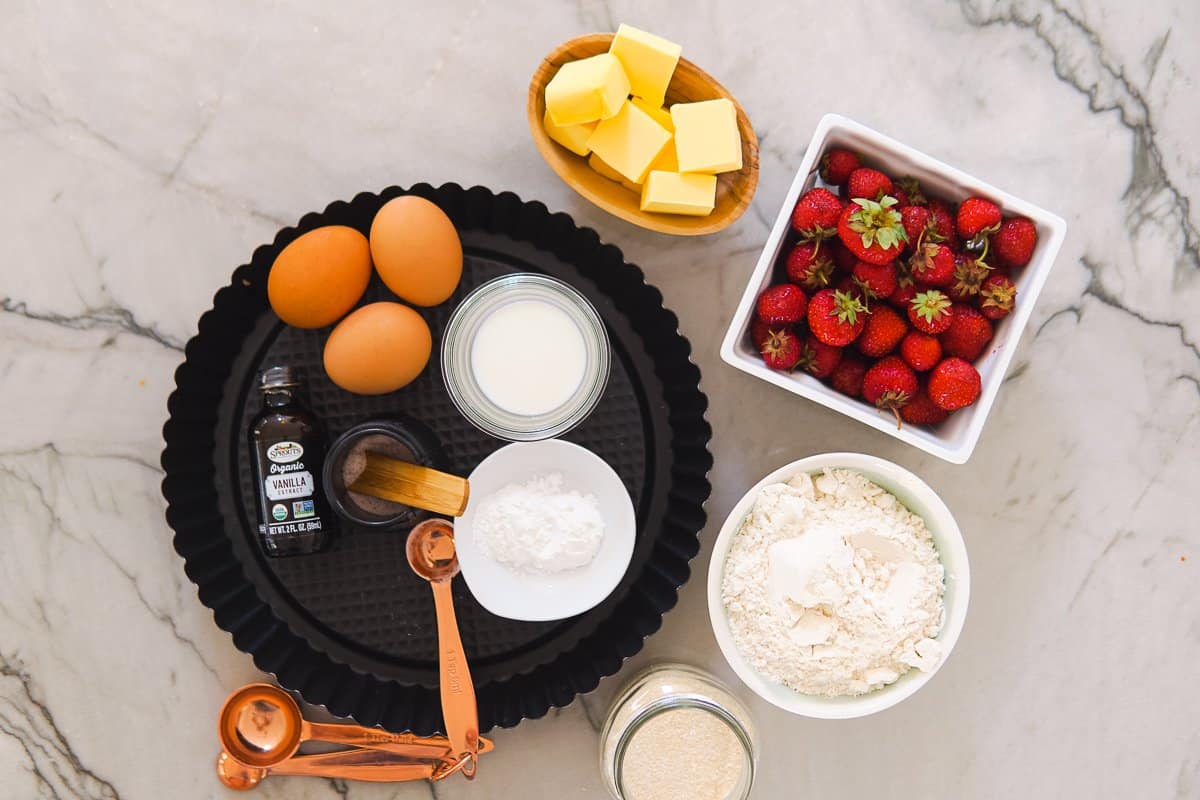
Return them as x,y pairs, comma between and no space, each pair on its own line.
955,438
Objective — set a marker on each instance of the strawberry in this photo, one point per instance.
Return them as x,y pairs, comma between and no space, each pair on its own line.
996,296
890,384
977,216
837,164
847,376
835,317
877,280
781,351
929,312
815,216
941,224
954,384
867,183
922,411
842,257
914,219
1014,242
912,189
921,351
933,264
818,358
872,230
810,266
968,334
783,304
906,290
883,331
760,331
969,275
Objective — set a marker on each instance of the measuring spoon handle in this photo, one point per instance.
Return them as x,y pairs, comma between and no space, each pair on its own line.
457,689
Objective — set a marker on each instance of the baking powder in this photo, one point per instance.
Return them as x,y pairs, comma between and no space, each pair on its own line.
539,526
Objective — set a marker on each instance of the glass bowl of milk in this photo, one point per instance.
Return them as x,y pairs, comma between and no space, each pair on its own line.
525,357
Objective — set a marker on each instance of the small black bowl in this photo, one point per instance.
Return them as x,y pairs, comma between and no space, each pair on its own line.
413,442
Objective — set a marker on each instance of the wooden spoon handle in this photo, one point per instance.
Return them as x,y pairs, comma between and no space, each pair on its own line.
412,485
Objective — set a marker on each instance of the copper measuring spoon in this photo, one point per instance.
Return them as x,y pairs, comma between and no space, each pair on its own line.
358,764
431,554
261,728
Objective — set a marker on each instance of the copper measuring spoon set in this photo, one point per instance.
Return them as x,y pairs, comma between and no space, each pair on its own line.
261,728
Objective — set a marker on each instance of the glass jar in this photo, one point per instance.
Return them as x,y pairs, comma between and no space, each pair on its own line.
676,730
458,357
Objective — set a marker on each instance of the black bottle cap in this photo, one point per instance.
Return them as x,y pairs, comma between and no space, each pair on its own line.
279,377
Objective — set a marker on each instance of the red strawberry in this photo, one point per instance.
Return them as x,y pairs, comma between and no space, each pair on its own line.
890,384
872,230
847,376
1014,242
842,257
969,275
922,411
836,318
968,334
921,351
781,350
914,219
941,223
933,264
783,304
996,296
868,183
877,280
929,312
816,214
760,331
976,216
954,384
837,164
912,189
810,266
883,331
818,358
905,292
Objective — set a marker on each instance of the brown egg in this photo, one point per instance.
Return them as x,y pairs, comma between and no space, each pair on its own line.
319,276
416,250
378,349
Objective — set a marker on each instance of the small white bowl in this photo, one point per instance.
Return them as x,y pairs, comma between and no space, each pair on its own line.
916,495
536,598
955,438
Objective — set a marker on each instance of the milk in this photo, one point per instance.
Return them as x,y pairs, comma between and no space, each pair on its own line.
528,357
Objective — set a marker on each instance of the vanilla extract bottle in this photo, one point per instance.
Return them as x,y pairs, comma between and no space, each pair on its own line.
288,448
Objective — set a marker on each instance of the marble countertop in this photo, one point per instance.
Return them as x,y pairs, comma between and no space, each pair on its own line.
148,148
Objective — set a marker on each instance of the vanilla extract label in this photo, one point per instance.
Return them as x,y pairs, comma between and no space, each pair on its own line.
289,485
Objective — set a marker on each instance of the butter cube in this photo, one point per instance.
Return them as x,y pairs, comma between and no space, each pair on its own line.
679,193
661,115
587,90
706,136
649,61
597,163
572,137
629,142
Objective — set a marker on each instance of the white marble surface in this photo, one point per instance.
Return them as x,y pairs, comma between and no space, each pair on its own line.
147,148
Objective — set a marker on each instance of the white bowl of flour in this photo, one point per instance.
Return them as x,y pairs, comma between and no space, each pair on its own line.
838,586
548,532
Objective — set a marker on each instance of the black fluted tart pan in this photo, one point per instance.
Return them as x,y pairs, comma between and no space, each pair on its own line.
353,629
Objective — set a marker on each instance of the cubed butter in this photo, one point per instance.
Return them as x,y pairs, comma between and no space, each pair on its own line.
587,90
661,115
679,193
649,61
597,164
572,137
706,136
629,142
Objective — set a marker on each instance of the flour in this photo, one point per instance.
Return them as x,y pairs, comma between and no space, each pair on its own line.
832,587
538,526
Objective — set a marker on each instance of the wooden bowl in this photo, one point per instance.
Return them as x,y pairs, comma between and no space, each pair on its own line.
688,85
